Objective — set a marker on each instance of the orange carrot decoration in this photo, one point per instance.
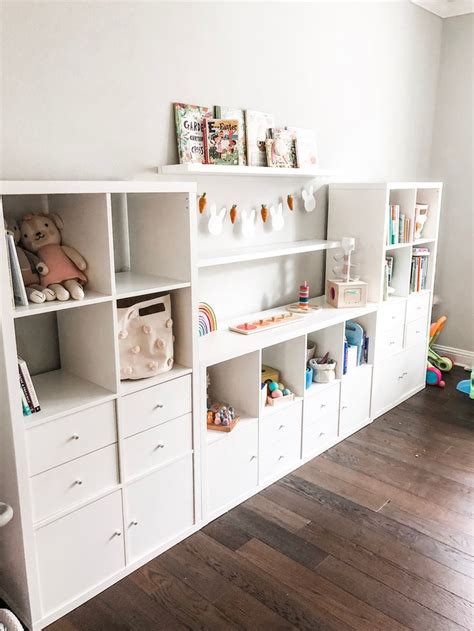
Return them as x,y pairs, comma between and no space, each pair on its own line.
233,213
202,203
264,213
290,202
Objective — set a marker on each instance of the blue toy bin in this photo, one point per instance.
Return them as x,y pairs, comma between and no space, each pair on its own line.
309,377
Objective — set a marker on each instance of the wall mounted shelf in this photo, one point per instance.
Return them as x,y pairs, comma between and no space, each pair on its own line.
220,169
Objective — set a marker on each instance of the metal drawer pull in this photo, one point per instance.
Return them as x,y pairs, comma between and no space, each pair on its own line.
134,523
418,332
323,405
281,457
117,533
78,482
75,437
281,427
159,446
344,407
158,406
253,458
400,376
391,343
404,374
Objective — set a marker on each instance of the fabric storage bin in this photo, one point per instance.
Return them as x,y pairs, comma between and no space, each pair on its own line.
323,373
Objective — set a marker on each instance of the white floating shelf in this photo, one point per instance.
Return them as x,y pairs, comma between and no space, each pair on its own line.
129,284
222,169
90,298
267,251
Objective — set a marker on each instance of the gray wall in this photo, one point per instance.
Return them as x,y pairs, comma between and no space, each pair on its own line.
452,162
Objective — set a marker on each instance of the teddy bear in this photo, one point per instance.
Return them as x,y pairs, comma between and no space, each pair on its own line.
28,262
61,267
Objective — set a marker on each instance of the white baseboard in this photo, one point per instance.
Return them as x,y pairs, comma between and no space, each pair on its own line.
459,356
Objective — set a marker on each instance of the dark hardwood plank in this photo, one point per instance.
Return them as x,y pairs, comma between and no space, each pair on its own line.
277,514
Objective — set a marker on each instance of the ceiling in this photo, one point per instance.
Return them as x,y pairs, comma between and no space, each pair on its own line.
447,8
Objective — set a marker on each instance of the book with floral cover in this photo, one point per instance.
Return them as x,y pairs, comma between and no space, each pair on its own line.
221,138
258,125
189,131
222,111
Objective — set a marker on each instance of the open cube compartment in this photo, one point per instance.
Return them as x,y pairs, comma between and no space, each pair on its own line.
368,322
329,340
287,358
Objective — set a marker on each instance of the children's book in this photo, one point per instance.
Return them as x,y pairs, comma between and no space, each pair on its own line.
27,386
281,148
17,284
222,111
189,131
258,125
306,147
221,137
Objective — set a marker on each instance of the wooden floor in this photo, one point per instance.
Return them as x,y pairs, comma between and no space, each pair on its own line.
376,533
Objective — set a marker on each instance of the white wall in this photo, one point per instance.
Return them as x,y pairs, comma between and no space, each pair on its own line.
452,162
88,87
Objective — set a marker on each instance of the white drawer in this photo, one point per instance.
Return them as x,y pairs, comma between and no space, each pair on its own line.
155,405
279,456
70,437
389,342
158,445
391,314
320,419
79,551
280,425
74,482
414,369
417,306
160,507
416,332
355,399
231,465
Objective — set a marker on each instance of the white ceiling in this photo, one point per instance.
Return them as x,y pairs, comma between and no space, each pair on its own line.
447,8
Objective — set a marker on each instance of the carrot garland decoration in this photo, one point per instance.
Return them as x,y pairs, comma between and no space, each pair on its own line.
233,213
264,213
202,203
290,202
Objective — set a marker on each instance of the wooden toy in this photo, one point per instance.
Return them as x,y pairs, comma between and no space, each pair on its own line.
277,217
277,393
304,296
206,319
269,374
264,213
221,417
202,203
248,328
233,213
290,201
346,294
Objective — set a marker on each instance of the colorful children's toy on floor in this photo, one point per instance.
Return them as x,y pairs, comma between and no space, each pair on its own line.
443,363
434,376
467,385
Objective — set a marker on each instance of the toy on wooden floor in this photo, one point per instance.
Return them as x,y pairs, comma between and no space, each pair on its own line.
346,291
216,220
444,364
467,385
202,203
61,267
277,217
264,324
308,199
248,223
221,417
207,319
434,376
290,201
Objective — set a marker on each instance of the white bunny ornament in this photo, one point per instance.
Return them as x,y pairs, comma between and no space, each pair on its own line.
248,223
216,220
277,217
308,198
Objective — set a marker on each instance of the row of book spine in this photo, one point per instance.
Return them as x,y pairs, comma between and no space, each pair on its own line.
419,269
399,226
30,402
365,354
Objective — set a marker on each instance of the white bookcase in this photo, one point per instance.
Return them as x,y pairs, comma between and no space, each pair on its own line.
109,474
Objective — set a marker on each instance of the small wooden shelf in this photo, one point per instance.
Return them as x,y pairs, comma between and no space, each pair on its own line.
60,392
219,169
129,284
90,298
134,385
267,251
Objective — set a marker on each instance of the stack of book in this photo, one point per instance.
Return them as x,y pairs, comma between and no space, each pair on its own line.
399,226
230,136
419,269
29,398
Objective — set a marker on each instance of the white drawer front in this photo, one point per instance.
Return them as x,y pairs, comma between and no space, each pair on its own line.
414,369
155,405
389,342
280,425
355,399
79,551
279,456
159,507
391,314
70,437
320,419
232,465
417,306
74,482
416,332
158,445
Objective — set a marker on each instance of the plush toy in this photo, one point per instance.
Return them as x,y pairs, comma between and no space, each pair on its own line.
61,266
28,262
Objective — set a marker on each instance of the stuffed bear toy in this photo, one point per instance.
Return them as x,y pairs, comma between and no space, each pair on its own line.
61,267
28,262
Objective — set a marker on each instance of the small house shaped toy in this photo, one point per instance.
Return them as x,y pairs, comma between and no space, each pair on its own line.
345,291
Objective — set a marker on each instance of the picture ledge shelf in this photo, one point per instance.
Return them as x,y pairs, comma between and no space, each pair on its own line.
222,169
267,251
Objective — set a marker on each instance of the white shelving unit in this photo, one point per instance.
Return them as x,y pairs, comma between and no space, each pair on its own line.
150,471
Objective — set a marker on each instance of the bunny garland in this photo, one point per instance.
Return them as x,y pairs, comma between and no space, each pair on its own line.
308,199
216,220
248,223
277,217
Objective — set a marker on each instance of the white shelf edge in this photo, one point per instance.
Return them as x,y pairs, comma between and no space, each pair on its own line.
269,410
220,169
130,284
127,387
409,244
267,251
90,298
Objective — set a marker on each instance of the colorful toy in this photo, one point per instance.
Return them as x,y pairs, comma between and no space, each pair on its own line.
277,217
308,377
264,324
290,201
61,267
467,385
222,417
277,393
207,319
308,199
248,223
216,220
304,296
202,203
434,376
444,364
